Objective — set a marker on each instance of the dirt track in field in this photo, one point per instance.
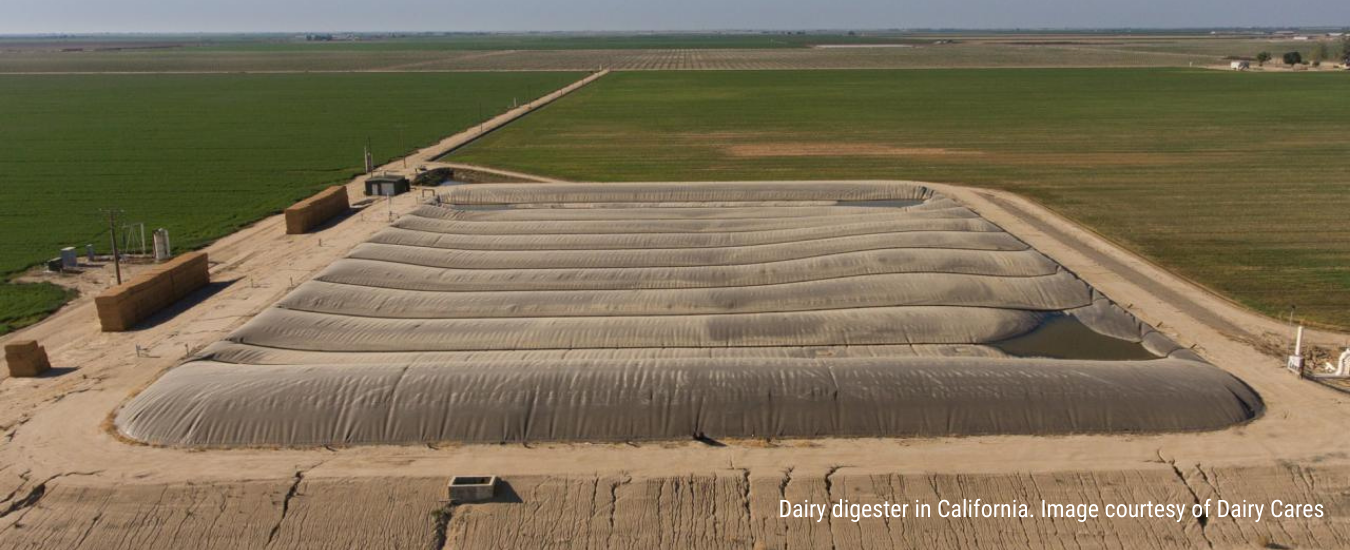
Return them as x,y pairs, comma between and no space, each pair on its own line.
838,150
67,482
728,508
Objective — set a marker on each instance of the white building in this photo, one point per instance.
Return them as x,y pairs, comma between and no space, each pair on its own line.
1240,65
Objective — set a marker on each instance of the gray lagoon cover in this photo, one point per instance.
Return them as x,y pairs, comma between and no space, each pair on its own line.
619,312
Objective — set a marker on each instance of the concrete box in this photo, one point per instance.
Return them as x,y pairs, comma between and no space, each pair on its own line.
471,488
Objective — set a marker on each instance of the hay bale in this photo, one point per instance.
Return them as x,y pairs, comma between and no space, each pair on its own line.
314,211
26,359
121,307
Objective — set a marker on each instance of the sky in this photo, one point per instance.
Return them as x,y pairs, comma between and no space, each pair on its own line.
167,16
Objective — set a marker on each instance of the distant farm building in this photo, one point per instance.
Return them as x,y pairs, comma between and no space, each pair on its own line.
1240,65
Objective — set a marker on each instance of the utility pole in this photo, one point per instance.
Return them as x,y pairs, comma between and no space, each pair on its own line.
369,160
112,238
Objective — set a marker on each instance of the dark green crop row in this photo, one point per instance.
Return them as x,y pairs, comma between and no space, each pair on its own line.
203,155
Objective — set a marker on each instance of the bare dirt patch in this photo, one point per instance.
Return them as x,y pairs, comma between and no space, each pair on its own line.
827,149
809,149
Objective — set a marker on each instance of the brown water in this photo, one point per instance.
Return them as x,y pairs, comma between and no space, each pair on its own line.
890,203
1063,336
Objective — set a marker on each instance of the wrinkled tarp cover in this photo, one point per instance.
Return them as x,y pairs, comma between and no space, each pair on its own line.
615,312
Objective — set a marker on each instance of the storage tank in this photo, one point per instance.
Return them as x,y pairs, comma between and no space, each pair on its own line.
163,250
69,258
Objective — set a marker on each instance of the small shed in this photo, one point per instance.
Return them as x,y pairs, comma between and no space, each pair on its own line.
387,185
1240,65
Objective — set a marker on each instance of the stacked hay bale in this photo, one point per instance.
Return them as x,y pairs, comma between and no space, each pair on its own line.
26,359
121,307
311,212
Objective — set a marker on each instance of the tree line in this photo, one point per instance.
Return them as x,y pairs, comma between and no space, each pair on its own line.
1321,51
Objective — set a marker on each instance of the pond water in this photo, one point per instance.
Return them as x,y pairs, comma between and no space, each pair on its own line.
1063,336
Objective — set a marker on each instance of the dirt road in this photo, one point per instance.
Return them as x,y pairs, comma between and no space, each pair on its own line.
67,482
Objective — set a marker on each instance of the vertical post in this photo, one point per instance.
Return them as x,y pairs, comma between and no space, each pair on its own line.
112,237
369,160
1296,360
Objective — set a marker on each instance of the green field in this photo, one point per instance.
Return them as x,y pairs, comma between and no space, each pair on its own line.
1239,181
341,57
22,305
574,42
204,155
586,51
458,41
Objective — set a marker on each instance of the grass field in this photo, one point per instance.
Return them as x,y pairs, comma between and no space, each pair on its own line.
339,58
25,304
576,42
552,52
204,155
1239,181
457,41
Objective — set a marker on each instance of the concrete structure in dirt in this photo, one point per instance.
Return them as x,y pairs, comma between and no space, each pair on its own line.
622,312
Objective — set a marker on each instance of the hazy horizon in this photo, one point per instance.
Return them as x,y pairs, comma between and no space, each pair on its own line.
36,17
626,32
